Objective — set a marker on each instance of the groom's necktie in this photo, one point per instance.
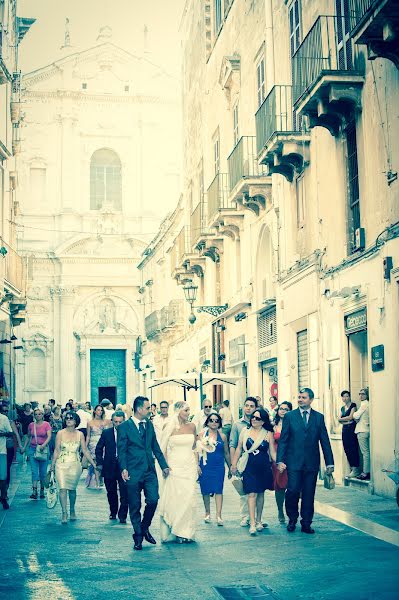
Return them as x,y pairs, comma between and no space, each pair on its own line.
305,415
142,429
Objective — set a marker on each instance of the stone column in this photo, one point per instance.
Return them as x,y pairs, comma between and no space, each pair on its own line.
67,342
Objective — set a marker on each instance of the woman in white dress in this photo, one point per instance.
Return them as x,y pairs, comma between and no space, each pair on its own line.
177,506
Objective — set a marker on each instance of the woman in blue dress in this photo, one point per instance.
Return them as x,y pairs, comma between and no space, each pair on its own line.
213,451
255,451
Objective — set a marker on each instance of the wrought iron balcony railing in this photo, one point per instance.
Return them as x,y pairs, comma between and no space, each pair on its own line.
276,115
359,9
327,48
243,161
198,222
218,195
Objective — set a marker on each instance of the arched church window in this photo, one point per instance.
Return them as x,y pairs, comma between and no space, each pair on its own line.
37,369
105,180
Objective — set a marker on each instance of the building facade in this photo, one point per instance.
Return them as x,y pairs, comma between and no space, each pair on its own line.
289,232
12,283
86,202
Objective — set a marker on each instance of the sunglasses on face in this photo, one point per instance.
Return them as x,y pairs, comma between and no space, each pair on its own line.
208,406
257,418
69,419
213,421
282,408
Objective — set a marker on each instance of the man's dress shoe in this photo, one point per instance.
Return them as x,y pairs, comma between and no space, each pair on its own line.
307,529
112,517
122,521
291,526
138,541
148,537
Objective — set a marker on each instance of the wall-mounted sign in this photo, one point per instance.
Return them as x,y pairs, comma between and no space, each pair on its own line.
356,321
237,350
377,358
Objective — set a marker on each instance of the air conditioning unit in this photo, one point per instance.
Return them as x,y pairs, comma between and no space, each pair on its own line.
360,238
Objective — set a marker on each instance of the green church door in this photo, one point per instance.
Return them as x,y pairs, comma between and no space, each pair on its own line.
108,376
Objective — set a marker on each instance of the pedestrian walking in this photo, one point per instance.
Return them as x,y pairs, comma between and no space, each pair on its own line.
250,405
136,447
298,452
160,421
227,418
10,440
213,450
95,428
362,430
66,463
5,433
349,437
57,424
280,480
252,458
25,417
38,440
84,416
108,465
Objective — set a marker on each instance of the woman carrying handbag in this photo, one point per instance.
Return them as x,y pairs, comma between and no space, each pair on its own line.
38,438
257,447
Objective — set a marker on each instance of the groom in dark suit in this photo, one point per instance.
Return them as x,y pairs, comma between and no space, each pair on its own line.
107,462
137,445
298,452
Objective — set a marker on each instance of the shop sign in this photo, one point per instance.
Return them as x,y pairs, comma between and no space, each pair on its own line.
356,321
377,358
237,350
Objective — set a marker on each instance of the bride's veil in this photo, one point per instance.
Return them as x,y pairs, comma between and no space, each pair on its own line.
172,425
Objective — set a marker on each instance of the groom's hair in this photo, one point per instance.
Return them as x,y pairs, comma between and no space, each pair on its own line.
138,402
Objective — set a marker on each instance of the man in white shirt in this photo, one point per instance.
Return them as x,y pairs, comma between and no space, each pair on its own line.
5,432
159,421
200,418
84,416
227,418
108,408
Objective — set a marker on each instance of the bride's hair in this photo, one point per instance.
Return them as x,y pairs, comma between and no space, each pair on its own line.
172,424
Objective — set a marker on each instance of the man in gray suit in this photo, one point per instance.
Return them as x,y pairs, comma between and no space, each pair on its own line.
298,451
137,444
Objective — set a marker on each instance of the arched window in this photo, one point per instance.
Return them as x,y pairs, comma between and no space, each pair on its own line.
37,369
105,180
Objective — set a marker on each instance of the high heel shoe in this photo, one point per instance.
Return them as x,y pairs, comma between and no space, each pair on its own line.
219,521
252,530
72,516
207,519
64,519
259,526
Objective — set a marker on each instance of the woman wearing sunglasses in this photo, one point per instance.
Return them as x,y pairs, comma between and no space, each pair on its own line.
69,442
256,448
213,451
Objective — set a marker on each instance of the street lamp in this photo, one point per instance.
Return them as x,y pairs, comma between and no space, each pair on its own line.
190,294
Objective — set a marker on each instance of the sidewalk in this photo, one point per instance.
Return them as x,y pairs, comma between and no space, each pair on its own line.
93,558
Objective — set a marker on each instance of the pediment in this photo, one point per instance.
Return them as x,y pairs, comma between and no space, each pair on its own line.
102,246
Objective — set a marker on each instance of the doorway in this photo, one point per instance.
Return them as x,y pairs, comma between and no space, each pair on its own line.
109,393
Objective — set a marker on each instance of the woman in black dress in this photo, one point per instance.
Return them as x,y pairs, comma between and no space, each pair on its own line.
258,449
349,437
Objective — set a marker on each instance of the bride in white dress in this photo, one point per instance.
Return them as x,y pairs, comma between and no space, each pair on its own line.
178,494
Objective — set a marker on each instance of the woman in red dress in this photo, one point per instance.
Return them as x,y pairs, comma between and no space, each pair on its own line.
280,479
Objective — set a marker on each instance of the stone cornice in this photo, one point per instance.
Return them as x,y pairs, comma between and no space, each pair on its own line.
82,96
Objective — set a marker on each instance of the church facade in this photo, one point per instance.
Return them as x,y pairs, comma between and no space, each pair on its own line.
85,214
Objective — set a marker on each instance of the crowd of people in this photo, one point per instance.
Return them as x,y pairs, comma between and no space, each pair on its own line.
164,454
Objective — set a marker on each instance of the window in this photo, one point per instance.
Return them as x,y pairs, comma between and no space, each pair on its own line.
300,201
236,131
127,88
84,86
38,187
260,80
105,180
267,328
37,369
295,26
218,15
216,152
303,359
353,181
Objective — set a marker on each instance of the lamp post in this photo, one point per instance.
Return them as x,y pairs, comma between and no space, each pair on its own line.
190,294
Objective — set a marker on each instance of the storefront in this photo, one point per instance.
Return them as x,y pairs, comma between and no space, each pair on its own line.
267,354
356,331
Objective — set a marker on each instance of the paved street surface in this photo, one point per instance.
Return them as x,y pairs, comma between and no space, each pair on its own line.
94,558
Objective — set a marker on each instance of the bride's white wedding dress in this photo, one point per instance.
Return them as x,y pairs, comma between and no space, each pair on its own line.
178,496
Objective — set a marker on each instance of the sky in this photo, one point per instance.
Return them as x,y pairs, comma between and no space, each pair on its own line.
127,18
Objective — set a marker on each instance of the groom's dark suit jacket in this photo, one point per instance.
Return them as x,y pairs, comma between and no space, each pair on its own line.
298,446
137,454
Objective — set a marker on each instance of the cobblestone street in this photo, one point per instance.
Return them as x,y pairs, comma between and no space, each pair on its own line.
94,558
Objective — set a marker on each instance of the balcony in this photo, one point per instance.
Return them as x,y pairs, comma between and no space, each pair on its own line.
13,269
172,314
179,254
327,81
152,324
375,23
248,182
219,197
282,146
198,224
